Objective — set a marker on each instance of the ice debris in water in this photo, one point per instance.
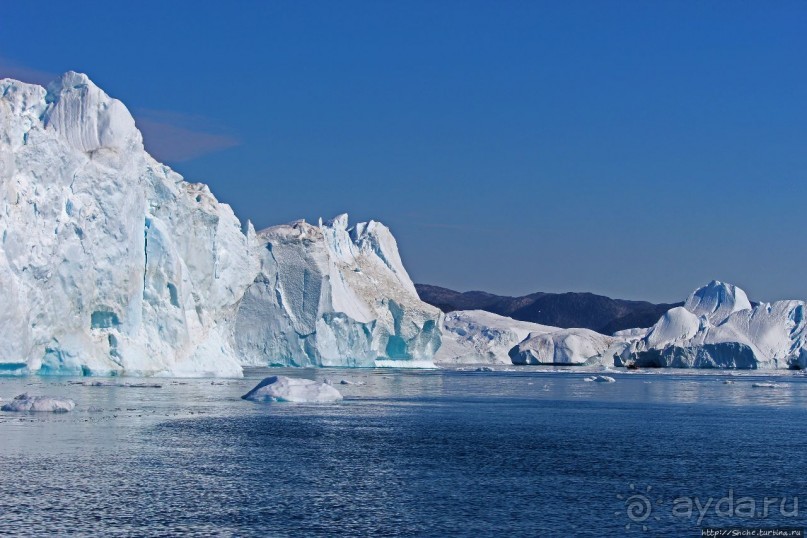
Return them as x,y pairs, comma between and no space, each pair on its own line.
278,388
600,379
24,402
764,385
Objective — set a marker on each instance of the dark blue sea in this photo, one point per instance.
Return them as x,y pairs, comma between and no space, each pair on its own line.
524,452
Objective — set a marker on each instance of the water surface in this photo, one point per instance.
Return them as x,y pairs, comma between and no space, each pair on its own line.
525,452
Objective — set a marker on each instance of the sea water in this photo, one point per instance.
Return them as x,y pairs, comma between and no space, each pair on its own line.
523,452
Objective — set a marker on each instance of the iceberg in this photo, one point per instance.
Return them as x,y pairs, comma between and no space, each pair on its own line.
480,337
24,402
600,379
278,388
565,346
334,295
718,327
112,264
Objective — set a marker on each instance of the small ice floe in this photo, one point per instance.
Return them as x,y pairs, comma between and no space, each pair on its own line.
123,385
484,369
278,388
600,379
23,402
764,385
93,409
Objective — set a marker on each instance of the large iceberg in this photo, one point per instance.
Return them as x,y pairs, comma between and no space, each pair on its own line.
718,327
112,264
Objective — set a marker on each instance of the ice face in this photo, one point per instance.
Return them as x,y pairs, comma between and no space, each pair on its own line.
112,264
330,295
280,388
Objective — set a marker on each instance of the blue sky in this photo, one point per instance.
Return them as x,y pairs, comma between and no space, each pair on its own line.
636,149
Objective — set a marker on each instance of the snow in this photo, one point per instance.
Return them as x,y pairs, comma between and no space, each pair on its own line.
479,337
112,264
280,388
24,402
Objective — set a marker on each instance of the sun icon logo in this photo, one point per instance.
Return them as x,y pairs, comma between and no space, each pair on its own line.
639,507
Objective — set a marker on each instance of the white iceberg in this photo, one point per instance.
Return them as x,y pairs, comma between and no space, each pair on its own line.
719,328
112,264
566,346
479,337
24,402
600,379
334,295
764,385
279,388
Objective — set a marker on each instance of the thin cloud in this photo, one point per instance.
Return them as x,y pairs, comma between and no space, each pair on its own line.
9,69
168,136
175,137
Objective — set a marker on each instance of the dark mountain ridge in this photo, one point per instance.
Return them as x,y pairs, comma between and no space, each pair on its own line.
596,312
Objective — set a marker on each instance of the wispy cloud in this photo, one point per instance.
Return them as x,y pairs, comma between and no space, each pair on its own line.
10,69
175,137
168,136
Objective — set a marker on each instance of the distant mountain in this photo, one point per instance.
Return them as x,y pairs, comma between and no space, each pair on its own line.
586,310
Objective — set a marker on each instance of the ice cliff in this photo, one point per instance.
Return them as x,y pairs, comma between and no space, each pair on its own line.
112,264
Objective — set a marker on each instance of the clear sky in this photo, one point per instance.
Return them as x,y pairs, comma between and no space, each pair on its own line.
632,148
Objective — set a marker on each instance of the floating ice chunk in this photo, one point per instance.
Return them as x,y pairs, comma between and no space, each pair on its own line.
278,388
23,402
484,369
600,379
764,385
